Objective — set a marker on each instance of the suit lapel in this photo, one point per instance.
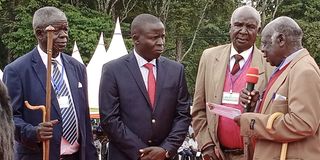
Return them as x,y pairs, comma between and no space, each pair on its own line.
133,67
223,61
161,75
73,82
276,85
41,72
257,60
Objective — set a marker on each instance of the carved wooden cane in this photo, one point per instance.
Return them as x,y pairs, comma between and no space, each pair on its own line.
46,110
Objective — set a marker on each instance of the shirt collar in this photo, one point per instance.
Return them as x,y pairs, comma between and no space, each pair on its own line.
44,57
141,61
245,54
289,59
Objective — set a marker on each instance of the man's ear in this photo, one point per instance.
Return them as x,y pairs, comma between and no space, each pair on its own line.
281,39
40,34
259,30
135,38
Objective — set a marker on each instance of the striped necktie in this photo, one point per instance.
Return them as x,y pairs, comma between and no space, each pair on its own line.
69,127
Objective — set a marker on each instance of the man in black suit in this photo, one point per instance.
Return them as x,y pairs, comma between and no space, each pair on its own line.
144,111
69,131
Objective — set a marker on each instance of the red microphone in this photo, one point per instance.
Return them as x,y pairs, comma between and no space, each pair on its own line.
252,78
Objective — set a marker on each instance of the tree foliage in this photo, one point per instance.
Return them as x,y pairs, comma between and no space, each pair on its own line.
191,25
85,24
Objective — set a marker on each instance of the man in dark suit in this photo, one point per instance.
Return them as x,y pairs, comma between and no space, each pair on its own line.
69,132
144,111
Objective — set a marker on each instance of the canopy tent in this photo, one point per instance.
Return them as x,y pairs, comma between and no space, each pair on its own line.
94,69
116,49
76,53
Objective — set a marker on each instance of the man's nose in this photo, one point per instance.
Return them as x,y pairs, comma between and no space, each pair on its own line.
160,41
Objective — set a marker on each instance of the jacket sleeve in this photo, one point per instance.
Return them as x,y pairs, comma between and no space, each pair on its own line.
199,116
25,133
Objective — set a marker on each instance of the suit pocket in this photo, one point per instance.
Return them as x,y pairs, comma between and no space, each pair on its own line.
279,106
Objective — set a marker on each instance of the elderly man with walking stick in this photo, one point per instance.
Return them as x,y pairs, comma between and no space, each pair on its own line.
69,128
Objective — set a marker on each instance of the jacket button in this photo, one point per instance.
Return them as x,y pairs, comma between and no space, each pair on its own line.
153,121
149,141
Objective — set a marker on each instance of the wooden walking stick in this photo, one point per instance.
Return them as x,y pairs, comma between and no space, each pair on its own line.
46,110
284,146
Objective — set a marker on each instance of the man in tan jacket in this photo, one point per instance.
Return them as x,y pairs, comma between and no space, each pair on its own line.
293,90
220,81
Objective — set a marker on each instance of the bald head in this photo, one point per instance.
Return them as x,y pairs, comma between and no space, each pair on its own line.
141,20
286,26
246,10
47,16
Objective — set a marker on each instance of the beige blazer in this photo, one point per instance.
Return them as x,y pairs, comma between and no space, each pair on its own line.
209,88
297,95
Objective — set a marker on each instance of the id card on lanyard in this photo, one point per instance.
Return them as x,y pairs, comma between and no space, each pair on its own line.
233,97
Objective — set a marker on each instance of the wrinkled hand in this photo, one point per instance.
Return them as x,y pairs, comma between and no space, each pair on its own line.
210,153
152,153
45,130
249,98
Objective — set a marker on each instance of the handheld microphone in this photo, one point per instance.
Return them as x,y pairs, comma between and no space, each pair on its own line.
252,78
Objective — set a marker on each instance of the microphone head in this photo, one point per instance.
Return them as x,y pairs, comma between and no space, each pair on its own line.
252,75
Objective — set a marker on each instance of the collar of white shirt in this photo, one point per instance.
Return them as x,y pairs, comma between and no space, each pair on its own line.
245,54
44,57
141,61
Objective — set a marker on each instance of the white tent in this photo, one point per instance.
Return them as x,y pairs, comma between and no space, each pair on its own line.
1,74
116,49
94,69
76,53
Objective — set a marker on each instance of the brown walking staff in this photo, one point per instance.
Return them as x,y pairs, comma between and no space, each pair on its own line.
284,146
46,109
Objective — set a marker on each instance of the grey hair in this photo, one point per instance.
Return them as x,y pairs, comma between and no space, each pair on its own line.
254,12
7,126
288,27
143,19
46,16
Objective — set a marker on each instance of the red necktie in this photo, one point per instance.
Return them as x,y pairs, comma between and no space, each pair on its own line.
151,83
236,66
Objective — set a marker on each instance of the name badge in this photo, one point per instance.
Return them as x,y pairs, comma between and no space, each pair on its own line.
230,98
63,101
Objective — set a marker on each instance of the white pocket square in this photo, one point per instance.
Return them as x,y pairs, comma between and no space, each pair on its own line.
280,97
79,85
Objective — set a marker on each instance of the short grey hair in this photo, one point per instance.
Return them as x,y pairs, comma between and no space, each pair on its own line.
288,27
46,16
254,12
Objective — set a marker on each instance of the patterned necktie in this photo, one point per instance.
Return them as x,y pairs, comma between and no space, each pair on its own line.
236,66
69,127
151,83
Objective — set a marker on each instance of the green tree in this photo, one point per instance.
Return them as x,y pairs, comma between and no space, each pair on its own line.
17,35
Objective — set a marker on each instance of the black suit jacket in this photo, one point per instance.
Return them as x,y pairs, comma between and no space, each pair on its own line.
126,114
26,81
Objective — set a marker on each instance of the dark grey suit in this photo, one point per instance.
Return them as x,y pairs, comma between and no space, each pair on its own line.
126,115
